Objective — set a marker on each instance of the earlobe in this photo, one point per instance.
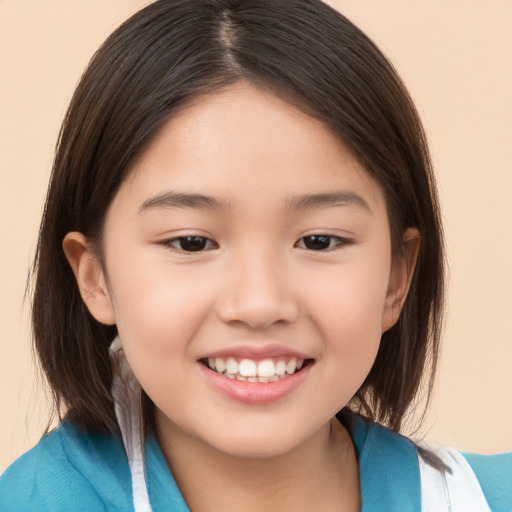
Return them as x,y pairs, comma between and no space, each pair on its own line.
90,277
400,278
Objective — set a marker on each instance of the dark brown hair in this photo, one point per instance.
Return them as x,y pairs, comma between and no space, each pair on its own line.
174,50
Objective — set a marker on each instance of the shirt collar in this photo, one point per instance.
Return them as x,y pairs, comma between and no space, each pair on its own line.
388,468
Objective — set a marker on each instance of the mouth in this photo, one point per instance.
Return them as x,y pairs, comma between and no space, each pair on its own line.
266,370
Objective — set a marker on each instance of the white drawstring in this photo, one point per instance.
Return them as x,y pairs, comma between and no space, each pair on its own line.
126,391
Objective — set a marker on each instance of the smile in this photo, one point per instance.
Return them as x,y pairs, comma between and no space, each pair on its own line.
250,370
258,389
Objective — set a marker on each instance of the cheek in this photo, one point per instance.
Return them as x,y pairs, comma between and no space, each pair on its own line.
351,299
158,309
348,312
158,315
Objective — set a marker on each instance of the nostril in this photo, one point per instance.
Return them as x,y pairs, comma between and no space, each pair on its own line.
258,304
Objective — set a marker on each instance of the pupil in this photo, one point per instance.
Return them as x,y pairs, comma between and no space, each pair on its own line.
193,243
317,242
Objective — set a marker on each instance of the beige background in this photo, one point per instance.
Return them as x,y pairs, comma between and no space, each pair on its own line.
455,56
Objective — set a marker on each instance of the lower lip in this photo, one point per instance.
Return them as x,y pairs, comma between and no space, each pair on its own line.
254,393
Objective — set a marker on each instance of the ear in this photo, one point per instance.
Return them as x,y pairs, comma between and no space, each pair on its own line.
400,278
90,277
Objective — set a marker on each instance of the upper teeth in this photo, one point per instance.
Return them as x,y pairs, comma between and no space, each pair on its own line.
264,370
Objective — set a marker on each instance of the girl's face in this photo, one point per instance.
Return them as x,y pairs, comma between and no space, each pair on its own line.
247,239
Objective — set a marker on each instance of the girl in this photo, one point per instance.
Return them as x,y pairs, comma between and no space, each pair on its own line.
239,276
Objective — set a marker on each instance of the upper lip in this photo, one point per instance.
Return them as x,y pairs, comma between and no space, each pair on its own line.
257,350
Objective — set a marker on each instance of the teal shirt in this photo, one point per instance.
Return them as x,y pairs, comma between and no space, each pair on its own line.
73,470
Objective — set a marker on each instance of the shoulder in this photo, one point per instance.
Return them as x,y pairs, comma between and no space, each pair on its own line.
388,467
395,475
45,479
67,470
494,474
470,482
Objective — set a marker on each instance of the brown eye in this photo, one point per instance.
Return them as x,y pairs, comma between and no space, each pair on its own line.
317,242
191,243
321,242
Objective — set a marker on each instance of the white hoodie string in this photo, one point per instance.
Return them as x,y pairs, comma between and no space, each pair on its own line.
126,391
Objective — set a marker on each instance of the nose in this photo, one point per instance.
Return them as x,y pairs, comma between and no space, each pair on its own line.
258,293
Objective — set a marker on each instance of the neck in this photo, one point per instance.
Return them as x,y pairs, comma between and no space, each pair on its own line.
319,474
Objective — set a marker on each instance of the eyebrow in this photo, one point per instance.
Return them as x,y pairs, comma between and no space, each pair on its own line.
337,198
298,203
182,200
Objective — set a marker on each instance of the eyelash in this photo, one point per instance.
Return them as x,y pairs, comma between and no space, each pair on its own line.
333,241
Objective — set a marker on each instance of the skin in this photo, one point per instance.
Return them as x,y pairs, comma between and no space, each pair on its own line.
256,281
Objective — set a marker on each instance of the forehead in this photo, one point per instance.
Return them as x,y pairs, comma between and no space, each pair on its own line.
243,144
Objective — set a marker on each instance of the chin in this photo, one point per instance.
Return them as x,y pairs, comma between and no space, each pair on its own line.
258,448
256,440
